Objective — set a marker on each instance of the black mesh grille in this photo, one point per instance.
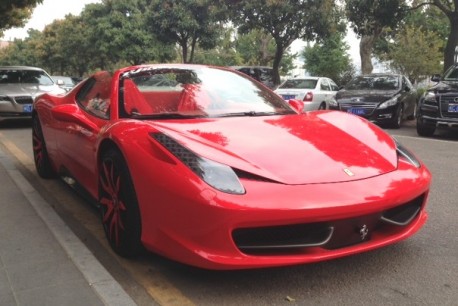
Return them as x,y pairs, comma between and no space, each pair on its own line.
23,99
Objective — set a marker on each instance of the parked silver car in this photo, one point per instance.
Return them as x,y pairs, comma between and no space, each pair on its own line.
19,85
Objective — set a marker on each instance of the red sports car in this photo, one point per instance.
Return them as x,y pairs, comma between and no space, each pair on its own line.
208,167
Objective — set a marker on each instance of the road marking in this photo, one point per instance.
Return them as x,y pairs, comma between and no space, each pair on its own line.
155,283
424,138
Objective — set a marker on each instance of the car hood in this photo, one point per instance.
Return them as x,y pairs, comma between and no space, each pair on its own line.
445,86
318,147
27,89
365,95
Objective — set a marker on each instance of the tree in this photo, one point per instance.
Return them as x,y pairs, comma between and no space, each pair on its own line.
369,18
416,53
14,13
187,23
450,9
286,21
329,59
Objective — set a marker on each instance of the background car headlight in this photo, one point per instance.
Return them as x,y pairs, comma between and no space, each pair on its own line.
388,103
406,154
430,97
217,175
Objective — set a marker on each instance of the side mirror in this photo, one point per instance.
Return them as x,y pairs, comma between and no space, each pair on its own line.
297,105
71,113
436,78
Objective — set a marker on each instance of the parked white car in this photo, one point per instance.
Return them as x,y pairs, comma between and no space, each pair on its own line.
315,92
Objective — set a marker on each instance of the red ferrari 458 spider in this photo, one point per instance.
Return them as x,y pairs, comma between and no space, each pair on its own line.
208,167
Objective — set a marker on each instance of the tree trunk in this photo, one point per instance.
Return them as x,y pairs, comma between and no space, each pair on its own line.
365,51
276,65
452,41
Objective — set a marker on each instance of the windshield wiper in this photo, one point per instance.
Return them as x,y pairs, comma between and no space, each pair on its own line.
167,116
251,114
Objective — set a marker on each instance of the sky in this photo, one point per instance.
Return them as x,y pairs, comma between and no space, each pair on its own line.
46,13
50,10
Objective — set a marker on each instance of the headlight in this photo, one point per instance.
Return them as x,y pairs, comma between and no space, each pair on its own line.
217,175
430,97
406,154
390,102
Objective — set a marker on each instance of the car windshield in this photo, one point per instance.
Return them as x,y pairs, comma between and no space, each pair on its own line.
451,74
24,76
299,84
382,82
170,93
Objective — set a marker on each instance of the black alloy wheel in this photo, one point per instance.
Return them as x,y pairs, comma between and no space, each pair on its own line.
397,119
40,153
118,205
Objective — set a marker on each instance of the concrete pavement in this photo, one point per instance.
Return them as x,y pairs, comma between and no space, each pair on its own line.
41,261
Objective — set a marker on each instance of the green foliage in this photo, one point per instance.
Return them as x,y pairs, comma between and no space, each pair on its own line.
14,13
416,53
329,59
287,21
188,23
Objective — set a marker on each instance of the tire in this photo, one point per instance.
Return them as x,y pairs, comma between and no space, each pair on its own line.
397,119
40,153
322,106
118,205
423,129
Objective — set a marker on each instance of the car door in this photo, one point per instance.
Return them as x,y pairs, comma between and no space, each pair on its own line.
325,92
78,139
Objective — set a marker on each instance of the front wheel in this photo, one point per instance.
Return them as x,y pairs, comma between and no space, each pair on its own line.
397,119
426,130
118,205
40,153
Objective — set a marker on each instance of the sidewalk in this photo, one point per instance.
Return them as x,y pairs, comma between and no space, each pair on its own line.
41,261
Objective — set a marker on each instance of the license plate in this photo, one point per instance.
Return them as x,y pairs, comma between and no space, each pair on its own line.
356,111
27,108
288,97
453,108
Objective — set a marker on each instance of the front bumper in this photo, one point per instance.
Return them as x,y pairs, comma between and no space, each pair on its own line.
15,108
369,111
210,229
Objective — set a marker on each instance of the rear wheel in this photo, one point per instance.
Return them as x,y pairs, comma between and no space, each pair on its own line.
40,153
119,205
322,106
423,129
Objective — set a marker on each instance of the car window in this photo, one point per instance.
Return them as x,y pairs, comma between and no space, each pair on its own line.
324,85
299,84
94,96
378,82
334,86
24,76
195,92
451,74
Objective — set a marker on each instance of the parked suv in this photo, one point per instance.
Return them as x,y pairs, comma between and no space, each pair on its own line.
439,105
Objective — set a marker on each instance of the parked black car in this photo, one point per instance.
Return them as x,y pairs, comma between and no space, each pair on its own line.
262,74
439,105
385,99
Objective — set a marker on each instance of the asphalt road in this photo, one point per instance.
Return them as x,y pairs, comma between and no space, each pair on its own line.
419,271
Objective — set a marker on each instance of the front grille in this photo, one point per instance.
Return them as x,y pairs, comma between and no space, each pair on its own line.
23,99
445,100
297,238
